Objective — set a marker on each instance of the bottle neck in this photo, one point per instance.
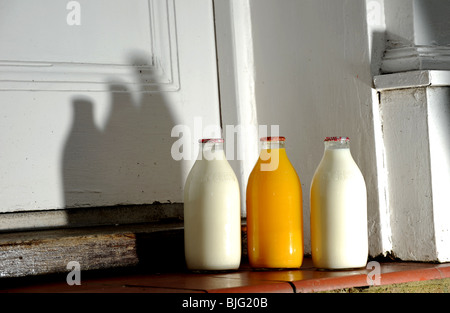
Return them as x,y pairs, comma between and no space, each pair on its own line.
337,145
337,150
267,145
272,152
212,151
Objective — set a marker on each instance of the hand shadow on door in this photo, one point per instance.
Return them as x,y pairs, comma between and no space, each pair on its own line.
123,172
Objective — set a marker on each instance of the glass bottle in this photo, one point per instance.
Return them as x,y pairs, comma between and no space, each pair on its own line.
274,209
212,215
338,198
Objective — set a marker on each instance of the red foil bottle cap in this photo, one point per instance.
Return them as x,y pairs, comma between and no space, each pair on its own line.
341,139
214,140
278,138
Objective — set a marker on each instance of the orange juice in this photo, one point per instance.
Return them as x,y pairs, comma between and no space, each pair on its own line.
274,209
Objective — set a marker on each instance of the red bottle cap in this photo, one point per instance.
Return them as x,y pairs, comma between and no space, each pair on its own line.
215,140
341,139
279,138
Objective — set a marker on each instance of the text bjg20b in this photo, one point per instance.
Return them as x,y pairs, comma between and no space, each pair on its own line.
235,303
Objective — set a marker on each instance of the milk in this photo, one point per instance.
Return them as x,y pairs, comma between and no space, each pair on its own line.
338,210
212,221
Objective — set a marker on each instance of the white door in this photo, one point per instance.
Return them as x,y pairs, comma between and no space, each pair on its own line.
90,91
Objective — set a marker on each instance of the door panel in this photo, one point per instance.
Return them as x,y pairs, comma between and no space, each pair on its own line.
88,109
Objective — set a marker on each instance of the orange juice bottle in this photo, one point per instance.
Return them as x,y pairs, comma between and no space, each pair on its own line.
274,209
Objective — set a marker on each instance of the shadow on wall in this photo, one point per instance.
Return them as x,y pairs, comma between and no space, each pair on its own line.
378,48
123,172
127,163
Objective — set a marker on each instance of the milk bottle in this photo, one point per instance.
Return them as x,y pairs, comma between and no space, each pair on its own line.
212,217
338,209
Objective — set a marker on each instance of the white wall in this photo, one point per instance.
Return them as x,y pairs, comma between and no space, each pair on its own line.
313,78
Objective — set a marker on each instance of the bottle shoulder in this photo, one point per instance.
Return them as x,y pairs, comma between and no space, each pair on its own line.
285,171
214,171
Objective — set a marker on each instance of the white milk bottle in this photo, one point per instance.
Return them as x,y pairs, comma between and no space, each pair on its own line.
338,198
212,215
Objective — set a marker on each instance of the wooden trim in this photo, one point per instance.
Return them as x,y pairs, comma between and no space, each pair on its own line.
412,79
153,246
91,216
146,247
237,85
416,58
161,75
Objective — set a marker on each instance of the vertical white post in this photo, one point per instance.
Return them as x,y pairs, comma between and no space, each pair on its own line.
236,79
416,122
438,99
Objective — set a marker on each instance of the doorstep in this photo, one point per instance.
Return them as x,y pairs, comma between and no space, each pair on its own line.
307,279
149,258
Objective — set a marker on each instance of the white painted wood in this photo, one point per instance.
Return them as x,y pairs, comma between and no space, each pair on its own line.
91,217
40,76
416,125
399,17
145,60
431,22
381,218
405,129
237,94
438,99
416,35
88,133
416,58
412,79
413,106
376,28
27,29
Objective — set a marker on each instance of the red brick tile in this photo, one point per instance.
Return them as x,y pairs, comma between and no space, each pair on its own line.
444,270
330,283
257,288
247,280
409,276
